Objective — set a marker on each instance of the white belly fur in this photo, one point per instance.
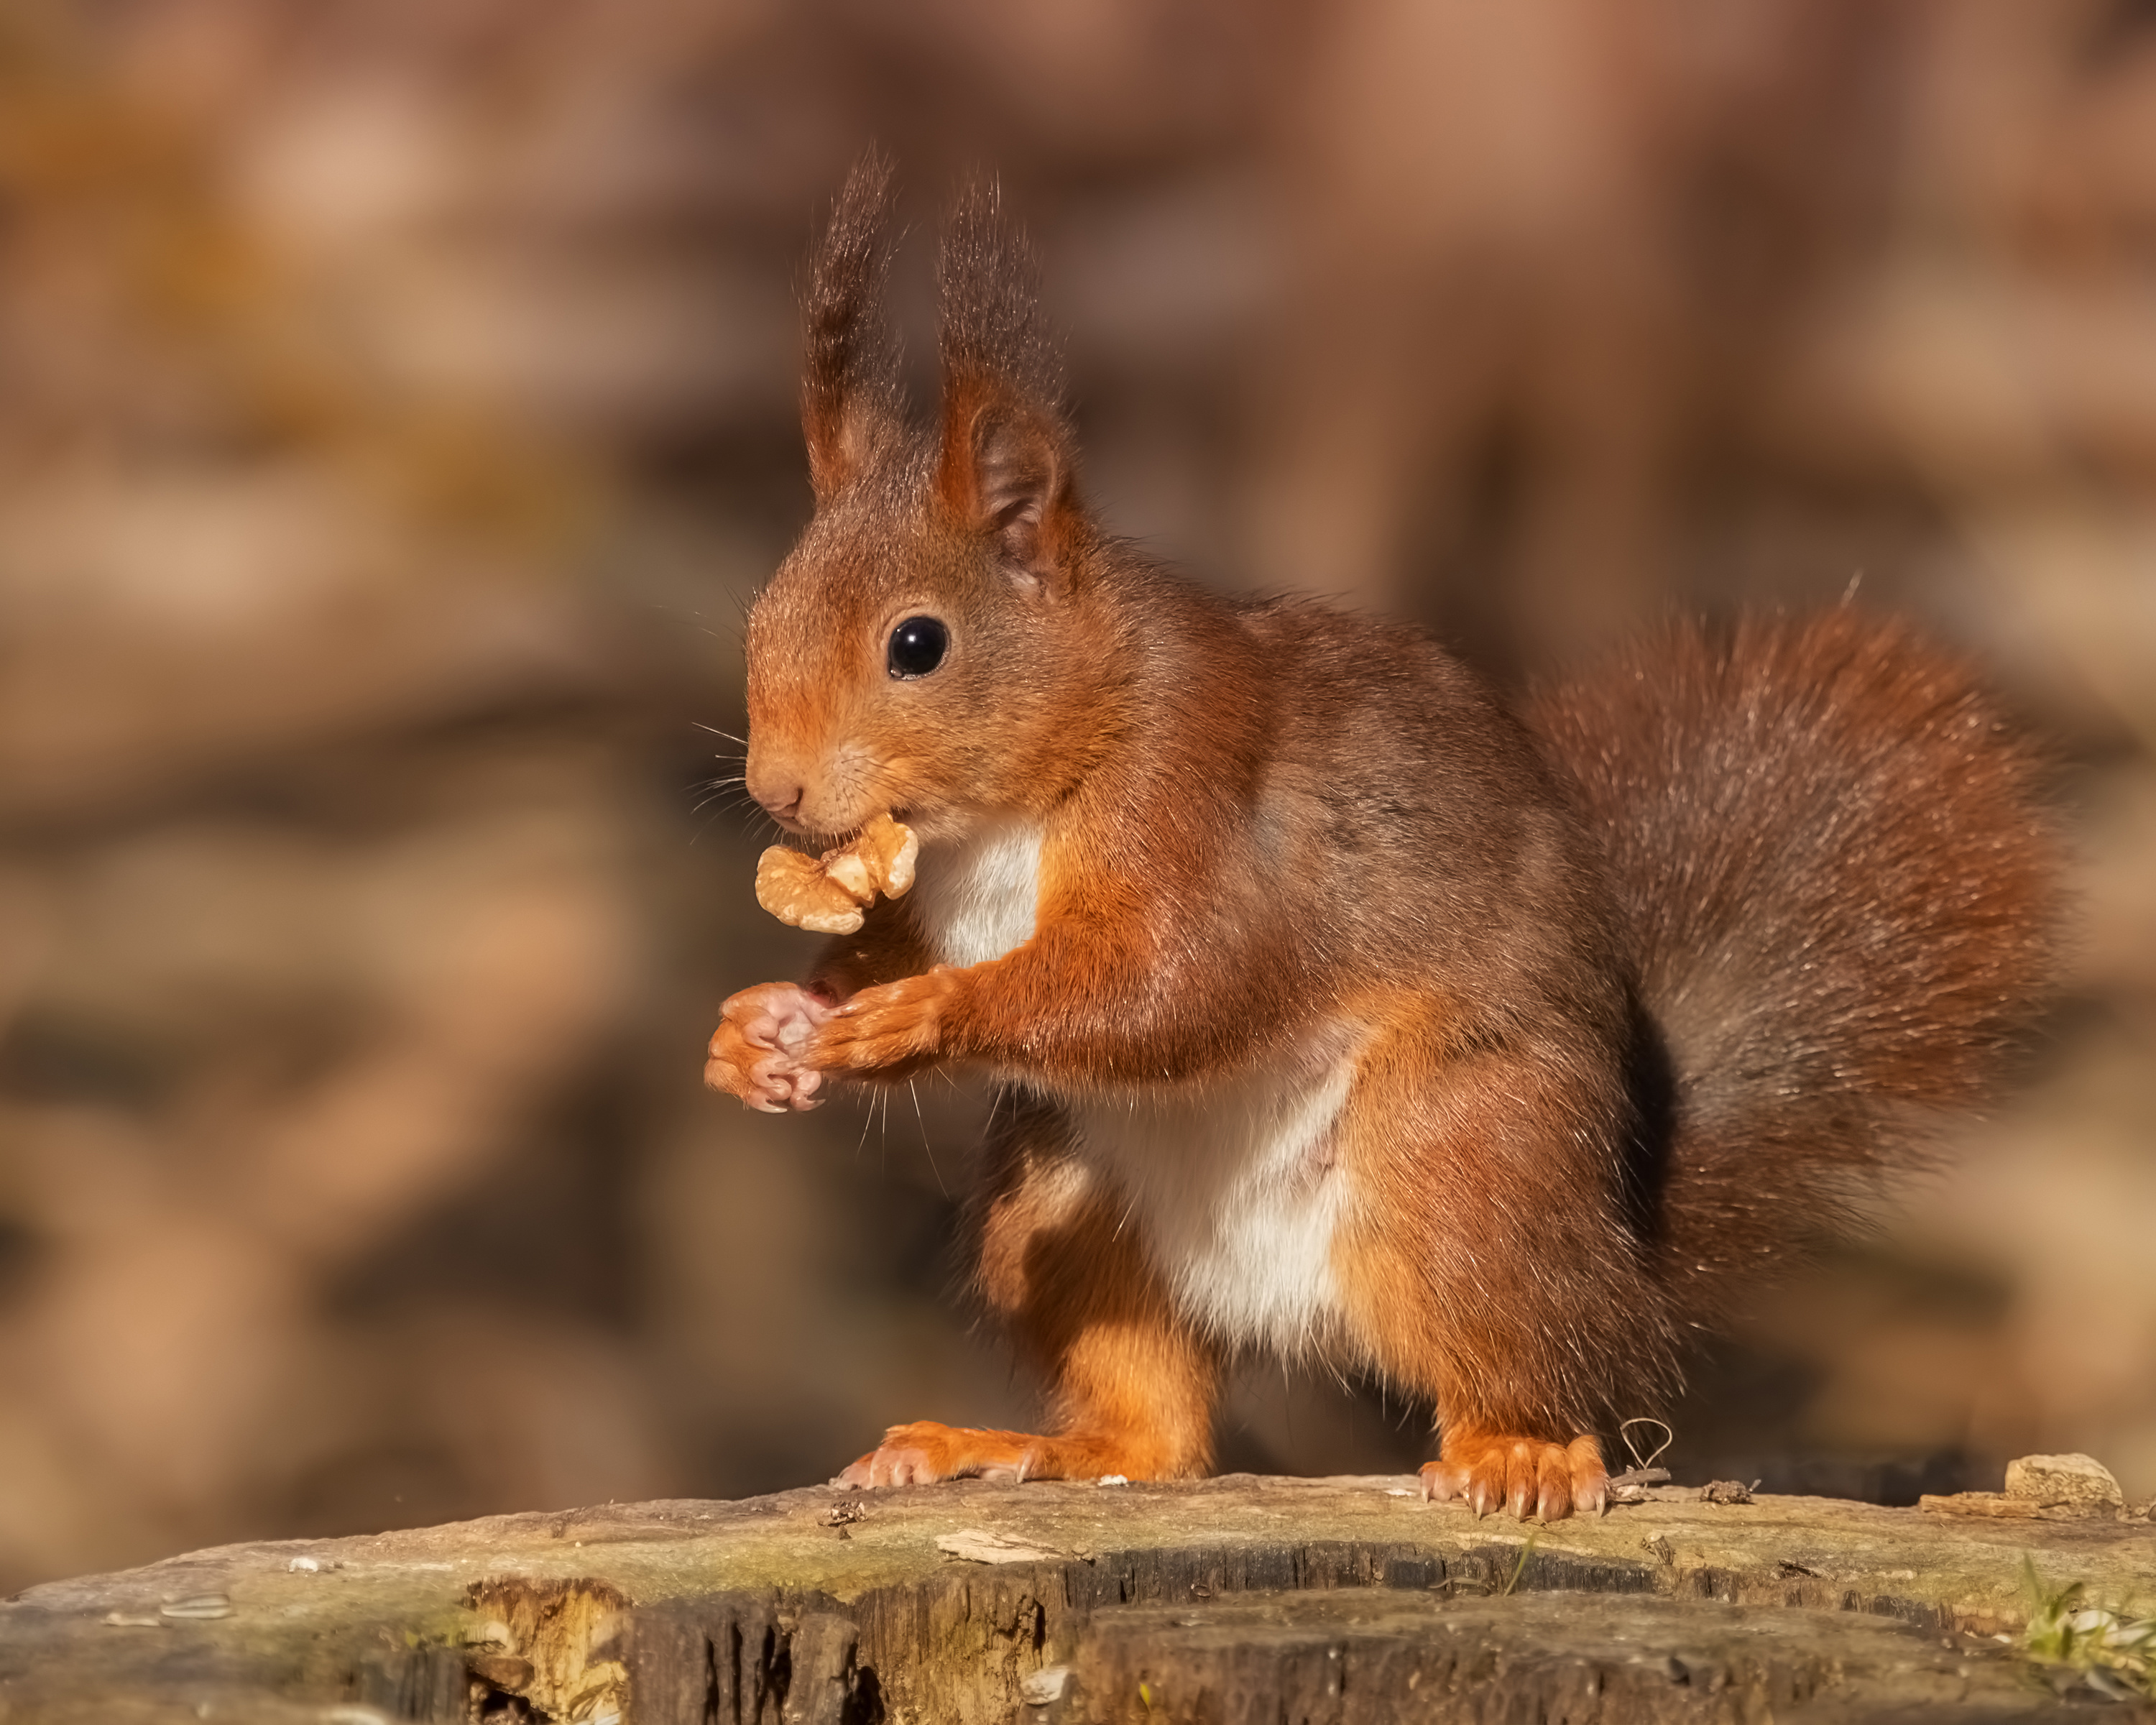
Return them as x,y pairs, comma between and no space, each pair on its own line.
1236,1191
1233,1185
975,901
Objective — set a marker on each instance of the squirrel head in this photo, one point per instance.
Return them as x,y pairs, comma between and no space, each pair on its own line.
927,646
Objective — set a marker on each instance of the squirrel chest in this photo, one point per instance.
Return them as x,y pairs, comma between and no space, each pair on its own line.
1234,1184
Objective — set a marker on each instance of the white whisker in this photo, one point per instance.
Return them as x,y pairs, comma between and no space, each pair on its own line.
927,1147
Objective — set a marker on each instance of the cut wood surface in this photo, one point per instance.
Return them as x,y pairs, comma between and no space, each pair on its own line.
1236,1599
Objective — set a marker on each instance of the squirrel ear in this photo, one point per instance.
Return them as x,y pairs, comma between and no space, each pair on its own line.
1006,467
851,408
1005,472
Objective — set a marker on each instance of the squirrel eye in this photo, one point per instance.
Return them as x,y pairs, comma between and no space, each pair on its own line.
917,646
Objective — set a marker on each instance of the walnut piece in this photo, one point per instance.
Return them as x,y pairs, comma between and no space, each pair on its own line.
827,895
795,888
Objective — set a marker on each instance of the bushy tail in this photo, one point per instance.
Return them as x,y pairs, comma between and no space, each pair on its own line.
1846,886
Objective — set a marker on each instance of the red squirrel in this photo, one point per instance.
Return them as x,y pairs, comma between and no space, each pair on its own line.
1335,1008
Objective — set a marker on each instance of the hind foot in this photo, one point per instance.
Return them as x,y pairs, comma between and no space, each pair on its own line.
924,1452
1526,1476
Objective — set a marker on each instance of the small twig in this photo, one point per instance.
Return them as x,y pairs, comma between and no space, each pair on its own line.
1527,1547
1641,1463
1631,1486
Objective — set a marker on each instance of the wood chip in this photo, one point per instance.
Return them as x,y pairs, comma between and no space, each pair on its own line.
2073,1482
977,1545
200,1606
2040,1488
1045,1686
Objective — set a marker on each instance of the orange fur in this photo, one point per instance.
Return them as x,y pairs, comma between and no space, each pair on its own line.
1133,1388
1074,1288
1332,1005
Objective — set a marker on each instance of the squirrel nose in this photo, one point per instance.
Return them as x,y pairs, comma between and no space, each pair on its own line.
780,795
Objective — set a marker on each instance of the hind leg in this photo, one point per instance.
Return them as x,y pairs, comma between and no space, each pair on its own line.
1130,1386
1495,1268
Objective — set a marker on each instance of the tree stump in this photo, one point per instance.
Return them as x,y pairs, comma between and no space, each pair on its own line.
1239,1598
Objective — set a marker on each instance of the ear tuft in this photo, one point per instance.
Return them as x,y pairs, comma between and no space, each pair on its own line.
1007,469
987,281
850,404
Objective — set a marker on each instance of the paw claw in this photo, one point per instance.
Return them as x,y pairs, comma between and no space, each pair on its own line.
1522,1477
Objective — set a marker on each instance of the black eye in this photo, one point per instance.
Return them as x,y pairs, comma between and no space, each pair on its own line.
917,646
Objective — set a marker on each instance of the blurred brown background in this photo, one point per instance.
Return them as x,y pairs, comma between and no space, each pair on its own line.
397,411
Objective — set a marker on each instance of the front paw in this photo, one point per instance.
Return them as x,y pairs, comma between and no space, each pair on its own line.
1525,1475
758,1052
890,1027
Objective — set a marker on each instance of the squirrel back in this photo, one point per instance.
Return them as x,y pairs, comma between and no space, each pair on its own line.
1842,883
